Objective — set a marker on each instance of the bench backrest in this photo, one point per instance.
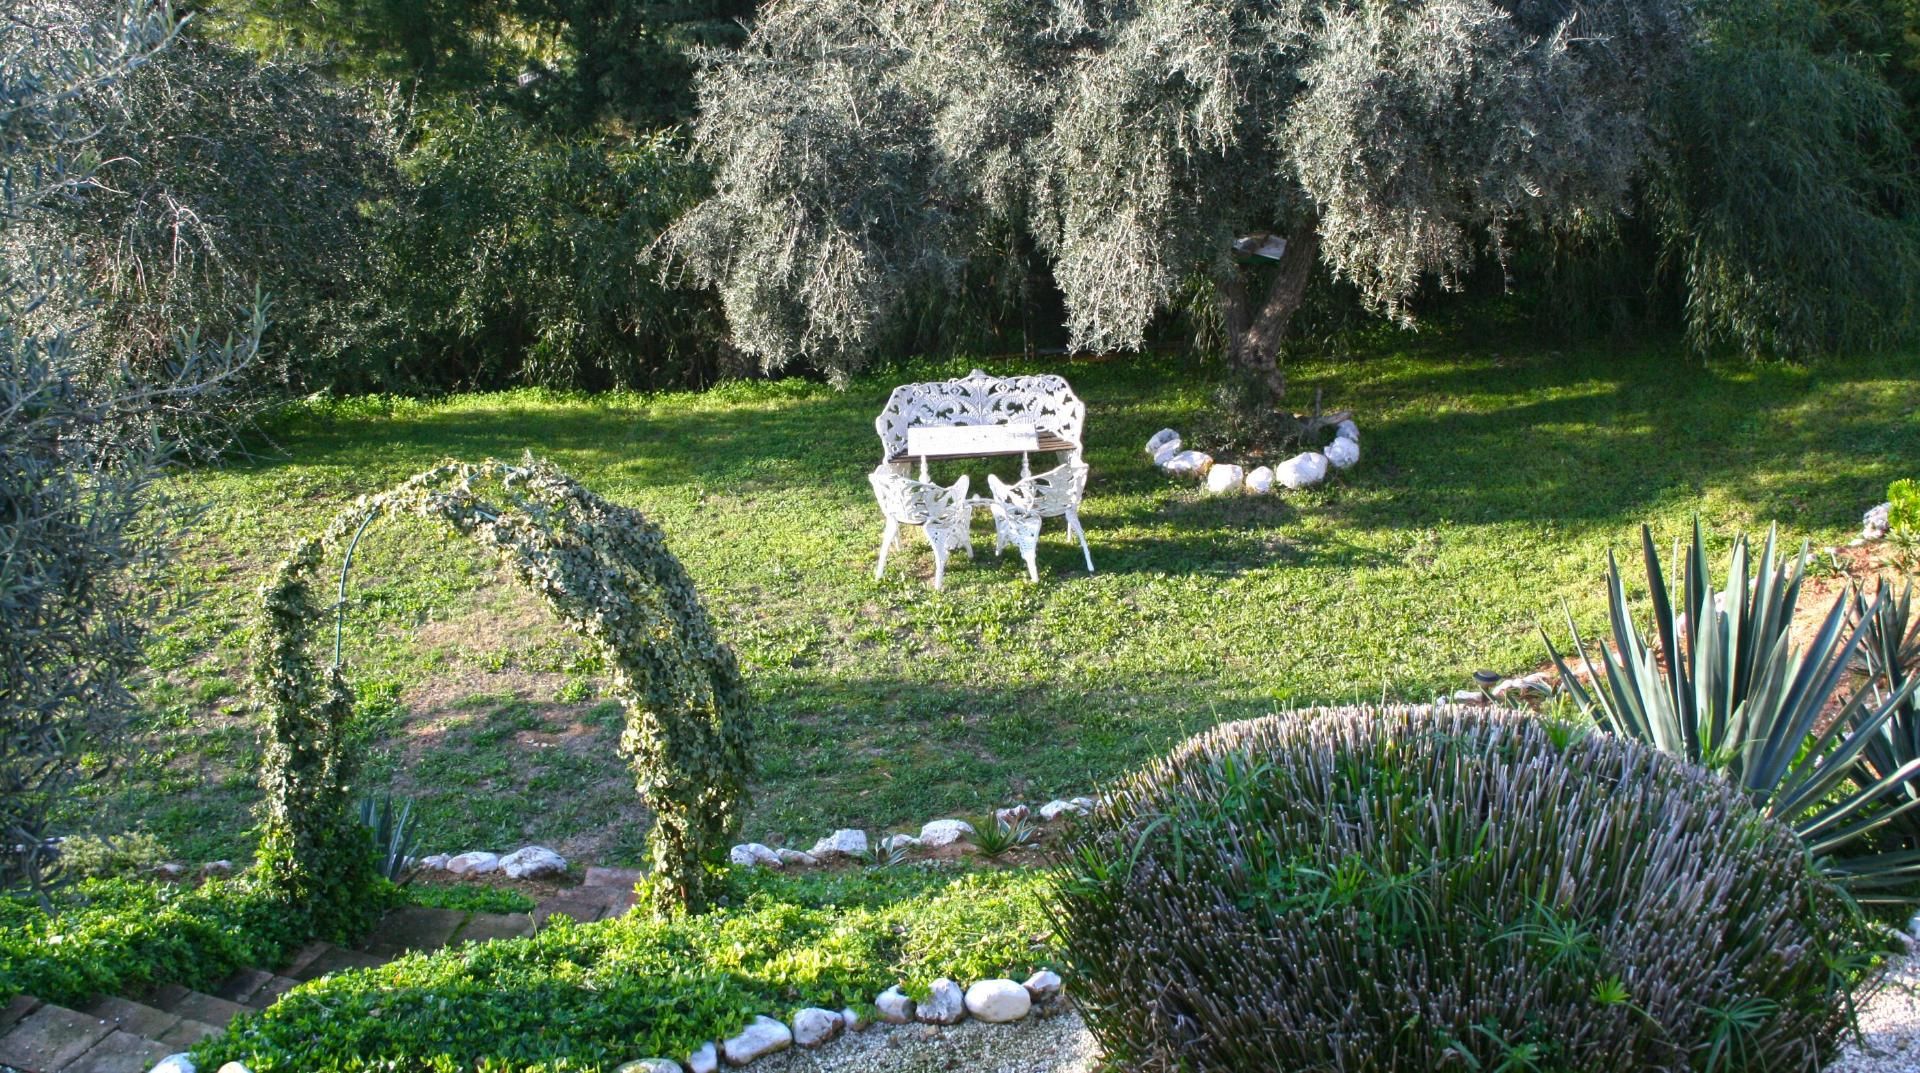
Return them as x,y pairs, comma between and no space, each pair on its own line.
979,399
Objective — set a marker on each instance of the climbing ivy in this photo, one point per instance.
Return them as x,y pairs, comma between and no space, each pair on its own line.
606,572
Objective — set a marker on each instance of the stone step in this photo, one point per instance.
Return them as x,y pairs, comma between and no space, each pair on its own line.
482,927
194,1005
271,992
119,1052
414,928
335,959
130,1016
48,1039
623,878
584,904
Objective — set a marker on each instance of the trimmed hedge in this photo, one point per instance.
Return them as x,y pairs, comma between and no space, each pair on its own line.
590,996
120,935
1407,890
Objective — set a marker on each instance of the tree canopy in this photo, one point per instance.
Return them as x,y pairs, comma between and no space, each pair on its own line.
863,147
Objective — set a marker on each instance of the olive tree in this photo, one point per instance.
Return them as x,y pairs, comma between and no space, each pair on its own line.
82,442
863,147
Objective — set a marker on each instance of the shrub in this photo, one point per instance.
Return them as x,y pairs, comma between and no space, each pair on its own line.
101,857
1414,889
516,257
1726,688
579,996
119,935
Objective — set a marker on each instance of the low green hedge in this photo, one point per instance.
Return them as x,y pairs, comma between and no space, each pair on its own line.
590,996
121,935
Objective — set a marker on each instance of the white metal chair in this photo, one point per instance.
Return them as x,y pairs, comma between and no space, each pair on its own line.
942,513
1053,494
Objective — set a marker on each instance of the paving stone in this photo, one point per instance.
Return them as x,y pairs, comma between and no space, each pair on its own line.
305,956
120,1052
18,1007
623,878
271,991
485,926
241,985
185,1034
214,1011
130,1016
414,928
336,960
165,996
582,904
50,1037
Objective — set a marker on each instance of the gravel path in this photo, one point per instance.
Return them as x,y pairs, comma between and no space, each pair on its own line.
1053,1044
1889,1026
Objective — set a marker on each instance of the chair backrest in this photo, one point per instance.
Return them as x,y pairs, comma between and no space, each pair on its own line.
1048,494
979,399
912,502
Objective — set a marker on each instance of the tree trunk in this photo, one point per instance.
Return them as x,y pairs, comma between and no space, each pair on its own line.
1254,335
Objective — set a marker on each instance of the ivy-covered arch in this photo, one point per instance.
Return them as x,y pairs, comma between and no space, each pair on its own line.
606,572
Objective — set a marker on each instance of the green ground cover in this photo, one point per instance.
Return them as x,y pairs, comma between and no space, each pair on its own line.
589,996
1495,476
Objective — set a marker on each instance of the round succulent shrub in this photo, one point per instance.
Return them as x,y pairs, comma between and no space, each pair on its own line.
1447,889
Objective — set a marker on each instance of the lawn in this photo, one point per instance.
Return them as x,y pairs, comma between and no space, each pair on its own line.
1494,479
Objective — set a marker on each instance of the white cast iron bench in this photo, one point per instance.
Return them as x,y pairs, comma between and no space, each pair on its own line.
981,416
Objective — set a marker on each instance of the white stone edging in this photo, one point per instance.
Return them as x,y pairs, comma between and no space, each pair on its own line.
1303,470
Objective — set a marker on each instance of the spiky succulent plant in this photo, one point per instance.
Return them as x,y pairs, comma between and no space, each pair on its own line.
1428,889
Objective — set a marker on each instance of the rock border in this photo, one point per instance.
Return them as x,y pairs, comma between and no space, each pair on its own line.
1303,470
851,843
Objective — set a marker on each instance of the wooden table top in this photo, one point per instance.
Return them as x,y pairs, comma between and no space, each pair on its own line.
1048,442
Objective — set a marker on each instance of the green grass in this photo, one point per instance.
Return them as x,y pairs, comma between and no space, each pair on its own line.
590,996
1494,479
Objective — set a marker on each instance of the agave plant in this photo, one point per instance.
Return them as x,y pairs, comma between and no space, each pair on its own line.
1890,656
392,833
1722,686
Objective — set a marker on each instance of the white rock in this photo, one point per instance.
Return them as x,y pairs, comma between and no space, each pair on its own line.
1043,986
437,862
759,1039
856,1020
1053,810
1343,452
170,870
1160,439
998,1001
175,1063
234,1067
217,868
1302,470
1010,816
1259,480
753,855
533,862
1084,804
1187,463
814,1026
945,1005
1875,523
795,858
944,833
1223,478
704,1060
899,842
650,1065
894,1007
1347,430
475,863
846,842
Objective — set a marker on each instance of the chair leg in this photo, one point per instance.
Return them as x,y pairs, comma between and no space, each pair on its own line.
939,559
1031,553
1073,523
886,545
